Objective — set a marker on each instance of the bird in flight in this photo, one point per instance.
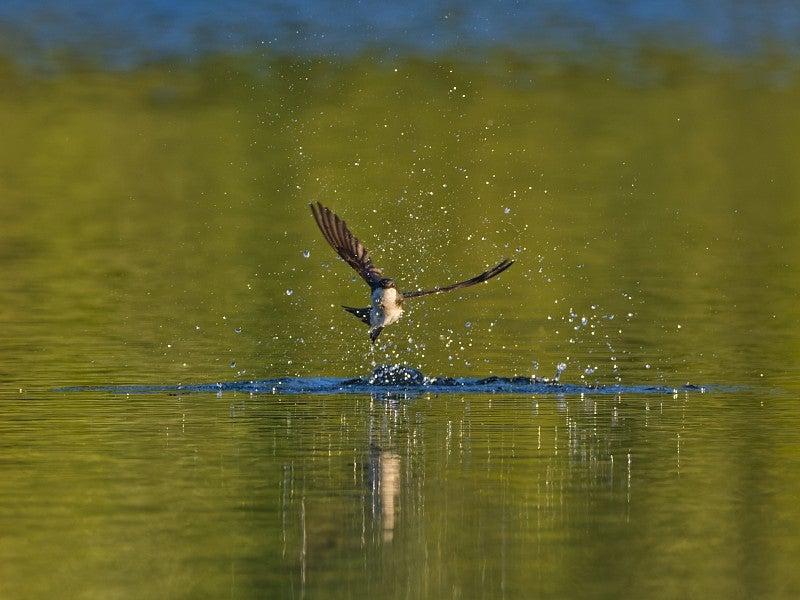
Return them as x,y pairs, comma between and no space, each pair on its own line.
386,302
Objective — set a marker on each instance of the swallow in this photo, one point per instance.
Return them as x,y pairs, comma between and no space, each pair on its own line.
386,302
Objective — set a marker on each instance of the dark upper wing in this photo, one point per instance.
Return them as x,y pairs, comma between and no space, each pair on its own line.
346,244
485,276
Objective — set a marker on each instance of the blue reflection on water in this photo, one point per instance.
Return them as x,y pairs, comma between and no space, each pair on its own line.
391,380
128,34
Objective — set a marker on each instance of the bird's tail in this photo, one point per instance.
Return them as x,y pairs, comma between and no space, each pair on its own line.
361,313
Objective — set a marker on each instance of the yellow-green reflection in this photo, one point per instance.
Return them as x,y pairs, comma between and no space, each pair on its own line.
149,216
346,496
153,229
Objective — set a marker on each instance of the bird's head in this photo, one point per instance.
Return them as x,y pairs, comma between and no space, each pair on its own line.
386,283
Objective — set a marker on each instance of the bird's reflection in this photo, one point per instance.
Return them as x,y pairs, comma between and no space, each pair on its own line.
385,486
384,468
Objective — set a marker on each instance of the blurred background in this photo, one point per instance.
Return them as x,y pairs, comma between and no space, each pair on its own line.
49,36
637,159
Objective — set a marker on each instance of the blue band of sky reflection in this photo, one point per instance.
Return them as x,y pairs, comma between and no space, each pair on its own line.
125,35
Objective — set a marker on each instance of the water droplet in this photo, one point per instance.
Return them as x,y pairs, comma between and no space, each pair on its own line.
467,324
306,253
289,292
507,210
233,364
238,330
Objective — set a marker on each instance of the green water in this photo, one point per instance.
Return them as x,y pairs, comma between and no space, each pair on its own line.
154,229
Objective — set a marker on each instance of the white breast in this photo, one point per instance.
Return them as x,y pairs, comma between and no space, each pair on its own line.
385,309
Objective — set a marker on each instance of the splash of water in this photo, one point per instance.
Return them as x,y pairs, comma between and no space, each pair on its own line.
394,379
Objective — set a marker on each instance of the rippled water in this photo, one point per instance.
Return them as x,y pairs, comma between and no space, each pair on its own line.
502,495
186,410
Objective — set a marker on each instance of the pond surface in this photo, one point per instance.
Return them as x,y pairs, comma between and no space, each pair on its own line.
231,495
187,412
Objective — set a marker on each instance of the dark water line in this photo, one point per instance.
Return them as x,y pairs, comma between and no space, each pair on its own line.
394,380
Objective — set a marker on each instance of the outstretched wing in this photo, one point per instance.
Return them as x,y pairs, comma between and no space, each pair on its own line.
346,244
485,276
